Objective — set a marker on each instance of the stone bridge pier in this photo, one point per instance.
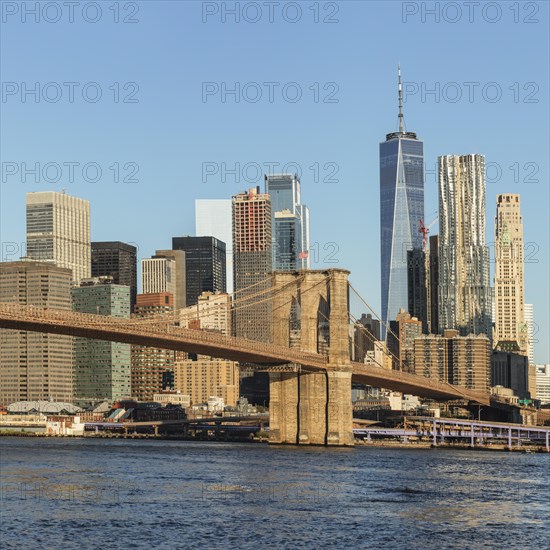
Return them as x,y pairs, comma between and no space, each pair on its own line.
311,313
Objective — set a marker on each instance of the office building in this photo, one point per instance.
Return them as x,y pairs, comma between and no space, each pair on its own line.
58,230
212,312
289,222
403,331
464,289
213,218
417,284
206,377
153,368
180,285
101,368
119,261
461,360
158,275
511,332
205,265
511,370
35,366
401,209
252,263
542,374
433,286
366,333
530,323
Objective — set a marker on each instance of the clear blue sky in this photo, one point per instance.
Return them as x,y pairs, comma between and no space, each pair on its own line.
170,131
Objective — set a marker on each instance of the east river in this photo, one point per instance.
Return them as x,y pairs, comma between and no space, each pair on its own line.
96,493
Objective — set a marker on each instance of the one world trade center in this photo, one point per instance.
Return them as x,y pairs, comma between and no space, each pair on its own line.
401,209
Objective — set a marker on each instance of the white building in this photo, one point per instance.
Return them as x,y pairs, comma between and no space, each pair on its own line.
543,383
530,322
213,219
58,230
212,312
158,275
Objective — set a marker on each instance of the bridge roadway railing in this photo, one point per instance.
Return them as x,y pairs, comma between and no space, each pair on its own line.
270,353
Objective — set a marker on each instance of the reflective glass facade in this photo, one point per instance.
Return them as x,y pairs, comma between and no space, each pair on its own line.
401,208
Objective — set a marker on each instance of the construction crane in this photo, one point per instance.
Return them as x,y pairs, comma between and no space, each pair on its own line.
425,229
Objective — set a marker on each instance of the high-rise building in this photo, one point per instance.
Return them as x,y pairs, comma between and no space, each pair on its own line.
511,370
289,222
433,284
401,209
461,360
34,365
417,283
205,265
180,286
511,333
213,218
464,289
366,333
530,322
404,329
58,230
119,261
206,377
153,368
158,274
212,312
101,368
252,262
542,373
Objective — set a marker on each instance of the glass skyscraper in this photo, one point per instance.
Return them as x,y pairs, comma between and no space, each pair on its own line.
401,209
289,223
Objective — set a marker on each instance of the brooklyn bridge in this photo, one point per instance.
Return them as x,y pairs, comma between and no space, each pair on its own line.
310,383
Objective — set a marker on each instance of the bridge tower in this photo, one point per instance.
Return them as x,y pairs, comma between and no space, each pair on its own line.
311,313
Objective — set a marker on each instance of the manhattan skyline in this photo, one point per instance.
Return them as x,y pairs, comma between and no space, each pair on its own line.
171,158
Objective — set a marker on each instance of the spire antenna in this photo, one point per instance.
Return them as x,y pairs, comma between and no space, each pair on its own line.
400,95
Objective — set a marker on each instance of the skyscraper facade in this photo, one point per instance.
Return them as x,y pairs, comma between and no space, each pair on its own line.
511,333
530,322
101,368
152,368
180,285
464,289
58,230
252,263
205,265
401,209
289,222
33,365
158,275
213,218
119,261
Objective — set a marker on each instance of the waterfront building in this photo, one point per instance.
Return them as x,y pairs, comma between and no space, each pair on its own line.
34,365
153,368
205,263
401,209
542,374
461,360
203,377
289,222
464,289
180,286
117,260
58,230
213,218
511,331
511,370
403,331
101,368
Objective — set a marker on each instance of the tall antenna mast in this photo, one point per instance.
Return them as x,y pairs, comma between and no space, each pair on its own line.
400,94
